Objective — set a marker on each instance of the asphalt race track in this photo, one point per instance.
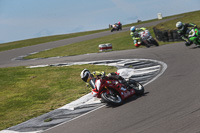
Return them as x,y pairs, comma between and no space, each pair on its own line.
171,103
143,70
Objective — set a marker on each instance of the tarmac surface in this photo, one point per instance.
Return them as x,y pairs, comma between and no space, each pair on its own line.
141,70
171,103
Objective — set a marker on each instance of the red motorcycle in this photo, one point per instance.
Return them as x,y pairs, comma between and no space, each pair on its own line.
114,92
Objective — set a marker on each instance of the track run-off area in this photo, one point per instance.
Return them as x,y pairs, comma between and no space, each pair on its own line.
143,70
171,103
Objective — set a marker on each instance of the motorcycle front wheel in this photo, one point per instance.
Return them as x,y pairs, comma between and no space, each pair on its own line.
155,42
139,89
112,97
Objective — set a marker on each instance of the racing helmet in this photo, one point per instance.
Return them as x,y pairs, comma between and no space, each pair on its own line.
85,74
118,23
132,28
179,25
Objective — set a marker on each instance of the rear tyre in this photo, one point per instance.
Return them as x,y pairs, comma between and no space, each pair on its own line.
112,98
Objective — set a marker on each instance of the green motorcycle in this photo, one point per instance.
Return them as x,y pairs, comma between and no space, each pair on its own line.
193,36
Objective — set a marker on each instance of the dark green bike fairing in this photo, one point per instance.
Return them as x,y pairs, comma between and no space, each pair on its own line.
195,38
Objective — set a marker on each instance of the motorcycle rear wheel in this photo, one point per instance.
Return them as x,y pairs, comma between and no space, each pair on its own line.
113,99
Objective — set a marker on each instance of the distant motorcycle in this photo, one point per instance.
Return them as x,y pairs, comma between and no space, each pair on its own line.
116,27
146,39
113,92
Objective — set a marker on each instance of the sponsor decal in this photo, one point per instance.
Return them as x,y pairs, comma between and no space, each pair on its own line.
115,82
123,89
109,82
126,94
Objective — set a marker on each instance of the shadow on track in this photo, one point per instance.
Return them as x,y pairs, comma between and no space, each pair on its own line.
195,47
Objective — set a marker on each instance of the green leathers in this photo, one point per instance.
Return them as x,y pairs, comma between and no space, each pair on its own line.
188,32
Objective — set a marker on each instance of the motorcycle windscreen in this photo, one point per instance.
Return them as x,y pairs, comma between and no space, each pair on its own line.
92,83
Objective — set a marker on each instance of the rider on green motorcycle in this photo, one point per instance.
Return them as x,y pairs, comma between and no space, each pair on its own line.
135,36
188,32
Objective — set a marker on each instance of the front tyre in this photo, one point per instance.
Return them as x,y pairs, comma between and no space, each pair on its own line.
155,42
145,43
112,98
139,89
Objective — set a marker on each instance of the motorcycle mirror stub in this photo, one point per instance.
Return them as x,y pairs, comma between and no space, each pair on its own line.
123,89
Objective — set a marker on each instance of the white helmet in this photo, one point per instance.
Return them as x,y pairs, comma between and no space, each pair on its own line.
85,74
132,28
179,25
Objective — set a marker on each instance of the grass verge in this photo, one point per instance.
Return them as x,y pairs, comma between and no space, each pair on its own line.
26,93
120,41
35,41
191,17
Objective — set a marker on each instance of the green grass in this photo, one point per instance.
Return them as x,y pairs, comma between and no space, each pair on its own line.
26,93
191,17
35,41
120,41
